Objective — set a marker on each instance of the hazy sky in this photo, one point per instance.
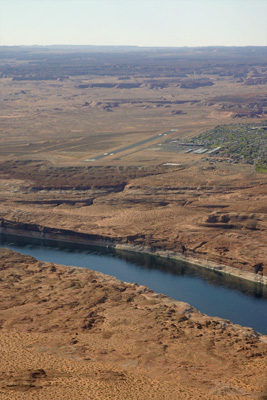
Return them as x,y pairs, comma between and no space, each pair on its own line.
134,22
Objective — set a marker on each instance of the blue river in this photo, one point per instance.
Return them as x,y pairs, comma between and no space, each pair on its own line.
212,293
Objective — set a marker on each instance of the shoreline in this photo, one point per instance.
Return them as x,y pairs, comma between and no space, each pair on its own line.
109,333
67,236
209,265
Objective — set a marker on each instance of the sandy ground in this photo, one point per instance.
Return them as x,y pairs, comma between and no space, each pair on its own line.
74,333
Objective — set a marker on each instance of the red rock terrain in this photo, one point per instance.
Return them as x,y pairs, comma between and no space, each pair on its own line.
69,332
216,214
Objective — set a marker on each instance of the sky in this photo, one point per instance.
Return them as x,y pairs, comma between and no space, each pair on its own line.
164,23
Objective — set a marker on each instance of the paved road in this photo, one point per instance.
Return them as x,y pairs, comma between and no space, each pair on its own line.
131,146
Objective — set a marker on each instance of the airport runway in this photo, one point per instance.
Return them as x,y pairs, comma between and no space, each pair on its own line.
131,146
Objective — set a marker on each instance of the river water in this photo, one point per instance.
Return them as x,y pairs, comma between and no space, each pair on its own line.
212,293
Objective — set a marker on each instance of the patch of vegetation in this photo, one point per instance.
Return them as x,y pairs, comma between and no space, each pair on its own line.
261,168
246,143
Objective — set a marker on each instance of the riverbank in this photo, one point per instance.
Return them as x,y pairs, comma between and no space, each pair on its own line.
68,236
209,265
75,332
168,209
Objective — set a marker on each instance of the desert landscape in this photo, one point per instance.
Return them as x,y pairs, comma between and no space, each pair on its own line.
72,332
62,109
162,149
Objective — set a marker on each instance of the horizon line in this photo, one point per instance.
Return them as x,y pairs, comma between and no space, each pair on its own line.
127,45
